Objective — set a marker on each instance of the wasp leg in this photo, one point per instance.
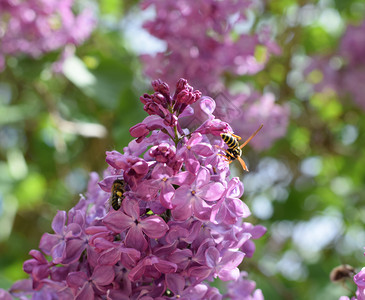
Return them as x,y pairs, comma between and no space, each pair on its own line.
236,136
243,164
220,148
225,157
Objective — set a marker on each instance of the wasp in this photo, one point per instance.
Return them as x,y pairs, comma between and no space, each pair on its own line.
117,194
234,150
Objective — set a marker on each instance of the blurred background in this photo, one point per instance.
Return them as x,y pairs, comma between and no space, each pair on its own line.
71,76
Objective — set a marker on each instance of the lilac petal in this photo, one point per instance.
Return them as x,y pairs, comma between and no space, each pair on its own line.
197,292
73,230
248,248
139,130
40,272
202,178
182,196
231,259
212,256
237,208
192,165
182,213
135,239
58,252
86,292
38,256
103,275
116,159
258,231
165,266
211,191
227,275
161,171
74,248
154,227
28,265
47,242
131,208
117,221
181,257
235,188
129,257
182,178
109,257
176,283
199,273
117,294
203,149
195,138
138,271
166,194
201,209
4,295
59,221
76,279
24,285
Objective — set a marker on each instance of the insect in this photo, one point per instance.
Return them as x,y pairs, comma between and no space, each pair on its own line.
117,196
342,272
234,150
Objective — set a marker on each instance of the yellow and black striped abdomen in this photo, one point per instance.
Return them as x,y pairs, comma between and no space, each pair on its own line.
230,140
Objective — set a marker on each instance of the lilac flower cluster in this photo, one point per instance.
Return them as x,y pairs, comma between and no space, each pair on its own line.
201,44
35,27
204,45
346,77
180,224
359,280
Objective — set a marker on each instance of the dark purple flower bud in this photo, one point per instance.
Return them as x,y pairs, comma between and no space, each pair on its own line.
146,98
163,152
139,131
170,120
154,109
162,87
181,84
159,98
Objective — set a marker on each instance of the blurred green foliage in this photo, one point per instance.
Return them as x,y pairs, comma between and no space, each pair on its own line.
55,129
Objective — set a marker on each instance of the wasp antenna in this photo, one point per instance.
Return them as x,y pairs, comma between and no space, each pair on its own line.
251,137
243,164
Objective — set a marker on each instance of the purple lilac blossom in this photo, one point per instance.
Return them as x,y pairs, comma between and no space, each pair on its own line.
203,46
359,280
347,79
36,27
180,225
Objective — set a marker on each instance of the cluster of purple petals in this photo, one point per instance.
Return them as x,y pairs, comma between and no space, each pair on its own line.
180,225
203,45
347,79
35,27
200,41
359,280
